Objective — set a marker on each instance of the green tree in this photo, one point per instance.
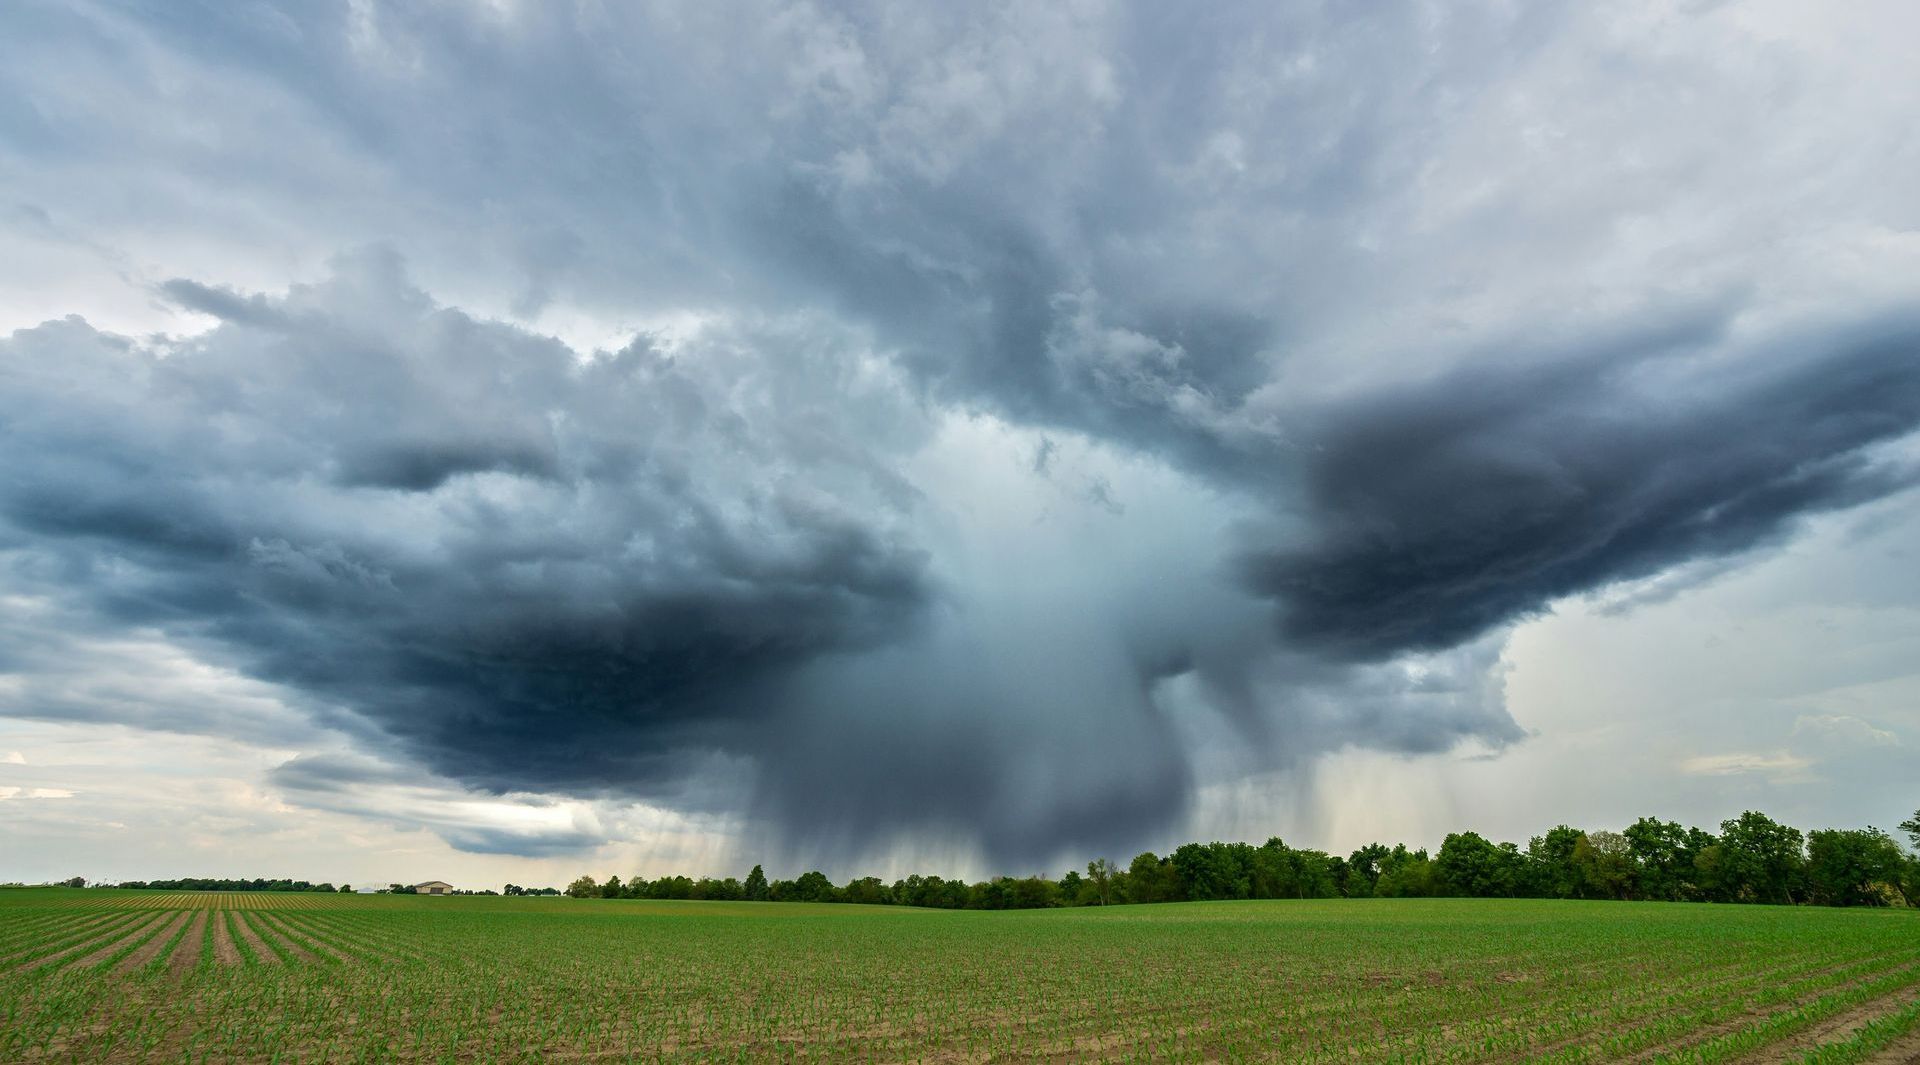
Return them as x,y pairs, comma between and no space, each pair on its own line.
1212,871
1762,860
1033,893
1406,874
1911,826
1150,879
1363,870
1100,873
1661,857
1471,866
813,887
1605,862
757,885
583,888
1072,887
1853,867
1554,873
1273,873
868,890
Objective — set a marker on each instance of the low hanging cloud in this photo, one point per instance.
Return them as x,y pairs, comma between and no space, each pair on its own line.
500,554
1438,511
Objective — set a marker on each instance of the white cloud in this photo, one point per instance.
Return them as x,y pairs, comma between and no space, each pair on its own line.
13,792
1721,765
1846,728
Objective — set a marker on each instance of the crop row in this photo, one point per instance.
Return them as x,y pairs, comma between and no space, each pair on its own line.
498,981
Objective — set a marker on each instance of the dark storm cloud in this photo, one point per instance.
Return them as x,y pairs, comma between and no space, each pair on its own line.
1437,511
335,772
533,571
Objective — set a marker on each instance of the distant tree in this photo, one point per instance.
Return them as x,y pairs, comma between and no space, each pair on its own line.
726,889
1316,874
1071,887
1471,866
1149,879
612,889
346,889
813,887
1854,867
1033,893
867,890
1406,874
1911,826
1363,870
1605,862
756,887
76,881
583,888
1763,860
1554,874
671,887
1273,872
1661,857
1213,871
1100,873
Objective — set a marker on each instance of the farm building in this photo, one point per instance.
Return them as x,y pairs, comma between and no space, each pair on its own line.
433,887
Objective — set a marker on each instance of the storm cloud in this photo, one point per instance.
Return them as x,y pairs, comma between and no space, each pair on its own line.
965,432
502,555
1440,511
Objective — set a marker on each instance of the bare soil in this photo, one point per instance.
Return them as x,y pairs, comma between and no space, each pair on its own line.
187,954
224,952
113,940
266,926
260,948
151,948
1902,1051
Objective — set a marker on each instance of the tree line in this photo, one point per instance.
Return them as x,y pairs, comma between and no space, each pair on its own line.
203,883
1753,859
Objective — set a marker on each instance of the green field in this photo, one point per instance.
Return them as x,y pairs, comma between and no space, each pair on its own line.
99,975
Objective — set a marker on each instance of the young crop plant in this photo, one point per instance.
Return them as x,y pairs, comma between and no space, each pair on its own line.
172,976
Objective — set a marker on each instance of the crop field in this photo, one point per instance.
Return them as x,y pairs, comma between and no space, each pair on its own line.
89,976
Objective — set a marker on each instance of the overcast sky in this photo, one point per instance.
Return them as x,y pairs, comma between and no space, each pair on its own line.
495,441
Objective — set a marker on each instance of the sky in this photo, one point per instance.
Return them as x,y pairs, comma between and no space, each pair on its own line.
495,441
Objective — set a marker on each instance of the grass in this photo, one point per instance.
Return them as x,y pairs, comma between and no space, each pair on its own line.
396,978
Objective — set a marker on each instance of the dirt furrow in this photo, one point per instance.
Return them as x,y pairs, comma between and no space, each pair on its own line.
1835,1029
253,940
358,937
113,942
187,954
1902,1051
115,932
1750,1016
264,925
152,948
299,936
224,952
103,924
